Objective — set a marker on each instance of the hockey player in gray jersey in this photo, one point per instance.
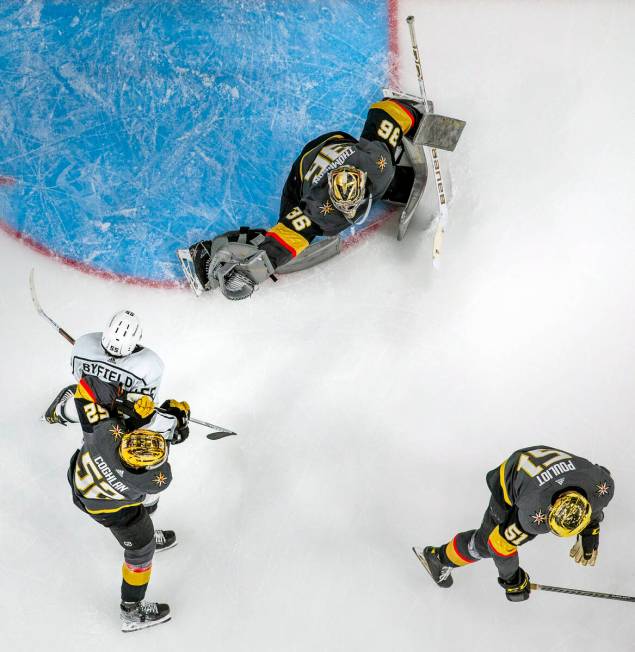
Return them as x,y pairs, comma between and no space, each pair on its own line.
117,466
534,491
115,356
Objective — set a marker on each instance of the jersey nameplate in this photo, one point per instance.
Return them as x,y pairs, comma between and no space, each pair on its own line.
330,157
111,374
554,471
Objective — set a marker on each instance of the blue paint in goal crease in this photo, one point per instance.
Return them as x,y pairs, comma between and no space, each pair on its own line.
133,127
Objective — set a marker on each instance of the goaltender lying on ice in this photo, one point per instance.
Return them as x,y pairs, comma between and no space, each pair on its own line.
331,186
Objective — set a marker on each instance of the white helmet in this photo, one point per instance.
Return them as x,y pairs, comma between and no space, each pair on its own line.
122,334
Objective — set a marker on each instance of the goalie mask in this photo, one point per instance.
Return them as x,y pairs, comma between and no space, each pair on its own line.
570,514
143,450
347,187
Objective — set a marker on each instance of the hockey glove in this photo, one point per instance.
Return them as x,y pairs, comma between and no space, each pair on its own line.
585,549
517,587
236,285
139,407
180,410
143,406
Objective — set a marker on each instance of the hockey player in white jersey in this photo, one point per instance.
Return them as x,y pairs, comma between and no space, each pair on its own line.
116,356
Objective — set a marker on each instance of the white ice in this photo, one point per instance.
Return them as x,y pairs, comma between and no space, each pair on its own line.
371,394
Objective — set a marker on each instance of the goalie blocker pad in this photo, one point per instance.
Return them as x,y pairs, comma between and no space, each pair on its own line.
439,131
434,131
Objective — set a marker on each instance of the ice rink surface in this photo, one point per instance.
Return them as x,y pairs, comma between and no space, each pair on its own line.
134,127
371,394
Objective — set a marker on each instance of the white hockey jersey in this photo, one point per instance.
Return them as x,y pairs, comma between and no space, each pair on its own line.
141,371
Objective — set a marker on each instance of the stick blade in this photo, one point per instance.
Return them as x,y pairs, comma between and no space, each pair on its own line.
219,435
34,298
437,244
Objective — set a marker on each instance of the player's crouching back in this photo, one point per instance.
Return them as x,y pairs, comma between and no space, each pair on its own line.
119,465
536,490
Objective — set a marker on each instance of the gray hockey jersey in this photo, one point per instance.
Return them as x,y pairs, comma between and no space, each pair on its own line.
141,371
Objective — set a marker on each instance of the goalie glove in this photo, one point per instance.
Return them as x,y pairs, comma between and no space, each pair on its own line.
236,284
180,410
237,268
585,549
517,587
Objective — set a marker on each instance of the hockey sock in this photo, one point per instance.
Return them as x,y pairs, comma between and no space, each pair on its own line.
455,553
135,582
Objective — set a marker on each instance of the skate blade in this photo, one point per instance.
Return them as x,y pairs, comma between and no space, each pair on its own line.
185,258
135,627
423,561
172,545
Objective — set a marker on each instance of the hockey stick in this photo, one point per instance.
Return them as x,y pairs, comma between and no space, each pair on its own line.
40,310
439,233
590,594
220,432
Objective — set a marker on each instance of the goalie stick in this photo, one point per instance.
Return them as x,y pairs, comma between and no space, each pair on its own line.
220,431
442,222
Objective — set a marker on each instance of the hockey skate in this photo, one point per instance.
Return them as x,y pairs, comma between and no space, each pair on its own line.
140,615
164,539
429,558
195,263
55,411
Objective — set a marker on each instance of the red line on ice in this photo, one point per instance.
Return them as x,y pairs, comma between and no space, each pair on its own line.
83,267
393,43
393,81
